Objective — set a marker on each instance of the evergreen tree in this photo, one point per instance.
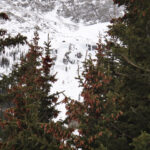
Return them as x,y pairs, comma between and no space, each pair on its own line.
130,68
24,126
6,40
47,110
97,113
142,142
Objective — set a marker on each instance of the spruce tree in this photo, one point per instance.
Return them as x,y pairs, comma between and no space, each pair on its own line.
97,112
6,39
47,110
24,126
130,68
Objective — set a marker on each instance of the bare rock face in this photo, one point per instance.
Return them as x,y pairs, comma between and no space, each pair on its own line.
89,11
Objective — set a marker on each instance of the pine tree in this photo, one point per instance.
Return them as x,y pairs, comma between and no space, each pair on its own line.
47,111
97,113
142,142
6,40
24,126
130,67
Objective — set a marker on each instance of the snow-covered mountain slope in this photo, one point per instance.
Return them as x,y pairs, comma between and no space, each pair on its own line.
71,42
86,11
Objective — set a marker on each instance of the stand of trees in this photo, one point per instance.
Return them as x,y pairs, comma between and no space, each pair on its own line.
115,110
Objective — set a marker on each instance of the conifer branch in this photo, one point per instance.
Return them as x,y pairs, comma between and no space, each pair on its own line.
121,74
115,127
134,65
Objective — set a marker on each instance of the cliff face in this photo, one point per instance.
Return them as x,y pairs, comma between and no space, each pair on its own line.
89,11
